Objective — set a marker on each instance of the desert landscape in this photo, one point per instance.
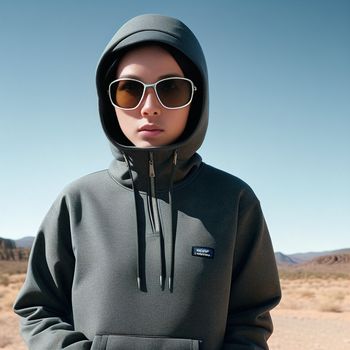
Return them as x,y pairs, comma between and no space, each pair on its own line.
12,274
314,313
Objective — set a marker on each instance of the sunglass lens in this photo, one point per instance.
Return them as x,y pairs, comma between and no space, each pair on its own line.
126,93
174,92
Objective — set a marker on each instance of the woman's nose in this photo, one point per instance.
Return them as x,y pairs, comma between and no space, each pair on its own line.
150,105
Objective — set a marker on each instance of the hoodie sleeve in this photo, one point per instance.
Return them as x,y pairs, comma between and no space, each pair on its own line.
255,287
44,302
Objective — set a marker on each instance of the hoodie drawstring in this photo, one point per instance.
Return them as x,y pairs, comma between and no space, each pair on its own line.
139,277
155,222
172,226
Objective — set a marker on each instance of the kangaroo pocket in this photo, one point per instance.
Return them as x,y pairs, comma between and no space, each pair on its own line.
128,342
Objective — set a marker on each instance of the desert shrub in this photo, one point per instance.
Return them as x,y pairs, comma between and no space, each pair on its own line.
305,293
339,295
305,274
4,280
330,306
13,267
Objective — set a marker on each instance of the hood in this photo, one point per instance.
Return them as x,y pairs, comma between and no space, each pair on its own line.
154,170
174,34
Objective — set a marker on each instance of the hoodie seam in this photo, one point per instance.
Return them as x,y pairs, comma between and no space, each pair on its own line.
114,179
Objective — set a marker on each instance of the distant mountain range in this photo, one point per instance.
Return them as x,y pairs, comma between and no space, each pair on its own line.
25,242
300,258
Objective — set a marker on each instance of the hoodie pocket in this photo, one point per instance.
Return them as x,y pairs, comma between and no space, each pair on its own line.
129,342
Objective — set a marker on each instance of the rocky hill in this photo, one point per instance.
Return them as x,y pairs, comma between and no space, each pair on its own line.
324,266
335,259
300,258
9,251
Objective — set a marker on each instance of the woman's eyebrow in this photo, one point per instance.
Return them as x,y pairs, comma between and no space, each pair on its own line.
170,76
132,76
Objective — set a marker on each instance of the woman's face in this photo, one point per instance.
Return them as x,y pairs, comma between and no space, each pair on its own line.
150,124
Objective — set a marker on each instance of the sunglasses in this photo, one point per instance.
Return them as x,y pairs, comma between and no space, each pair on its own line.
172,93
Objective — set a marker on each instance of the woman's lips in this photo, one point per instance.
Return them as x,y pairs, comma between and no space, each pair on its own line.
150,131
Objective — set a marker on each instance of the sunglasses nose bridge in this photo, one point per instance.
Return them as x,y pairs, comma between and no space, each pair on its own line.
150,103
150,89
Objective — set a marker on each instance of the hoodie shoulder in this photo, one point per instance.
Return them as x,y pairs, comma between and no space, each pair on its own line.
229,183
86,183
87,188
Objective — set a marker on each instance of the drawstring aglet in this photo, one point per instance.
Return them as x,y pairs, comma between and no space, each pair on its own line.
161,281
175,157
139,283
170,284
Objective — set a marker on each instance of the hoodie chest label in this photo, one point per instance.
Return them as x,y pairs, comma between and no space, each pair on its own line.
203,252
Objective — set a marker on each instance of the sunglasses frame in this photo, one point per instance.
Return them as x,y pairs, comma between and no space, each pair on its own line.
154,86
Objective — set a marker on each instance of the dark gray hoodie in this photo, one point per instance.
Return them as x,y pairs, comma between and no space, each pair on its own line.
160,251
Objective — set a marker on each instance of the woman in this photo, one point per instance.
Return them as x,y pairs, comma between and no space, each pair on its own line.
160,251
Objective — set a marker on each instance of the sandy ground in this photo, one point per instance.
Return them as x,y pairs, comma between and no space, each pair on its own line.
9,334
314,315
311,330
10,338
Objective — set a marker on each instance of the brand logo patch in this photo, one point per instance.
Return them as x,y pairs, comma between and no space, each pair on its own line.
203,252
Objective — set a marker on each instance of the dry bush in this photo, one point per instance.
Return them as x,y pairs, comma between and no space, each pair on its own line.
331,306
16,280
9,290
4,280
13,267
333,300
306,293
299,273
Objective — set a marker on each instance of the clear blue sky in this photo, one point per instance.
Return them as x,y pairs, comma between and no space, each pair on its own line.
279,106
